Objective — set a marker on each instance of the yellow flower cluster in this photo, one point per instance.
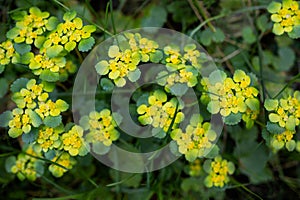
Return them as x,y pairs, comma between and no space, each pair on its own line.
142,45
26,166
7,52
286,16
186,75
29,27
197,140
121,64
218,171
27,97
190,56
284,112
50,108
231,95
69,33
65,162
73,141
48,138
101,126
42,62
195,168
160,112
20,123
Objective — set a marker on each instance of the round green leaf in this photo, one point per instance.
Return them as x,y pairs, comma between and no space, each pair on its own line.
86,44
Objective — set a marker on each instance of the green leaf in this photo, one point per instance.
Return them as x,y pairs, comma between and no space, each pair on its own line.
179,89
174,148
213,107
262,23
218,36
62,105
217,76
248,35
5,118
274,7
89,28
54,51
14,132
18,15
68,16
26,57
155,16
52,23
69,46
207,166
117,118
18,84
22,48
133,76
100,148
290,145
158,133
253,104
271,104
214,151
254,164
31,136
233,119
2,68
12,33
190,184
39,41
52,121
86,44
106,84
206,37
3,87
102,67
286,59
113,51
191,155
274,128
156,56
48,87
35,118
291,123
9,163
295,33
49,76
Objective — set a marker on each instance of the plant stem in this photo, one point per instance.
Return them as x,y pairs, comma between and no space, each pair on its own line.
287,85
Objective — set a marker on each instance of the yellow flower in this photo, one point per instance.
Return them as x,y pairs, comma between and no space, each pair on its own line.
73,141
42,62
30,26
50,108
26,166
197,140
21,122
231,96
27,97
173,53
101,127
66,163
49,138
285,16
160,112
7,52
218,171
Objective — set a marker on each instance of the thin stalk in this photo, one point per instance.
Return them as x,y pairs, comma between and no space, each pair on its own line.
287,85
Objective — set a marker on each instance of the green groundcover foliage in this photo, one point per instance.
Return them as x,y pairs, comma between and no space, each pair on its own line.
254,89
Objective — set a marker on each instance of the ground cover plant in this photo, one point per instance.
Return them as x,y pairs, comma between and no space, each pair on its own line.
221,98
